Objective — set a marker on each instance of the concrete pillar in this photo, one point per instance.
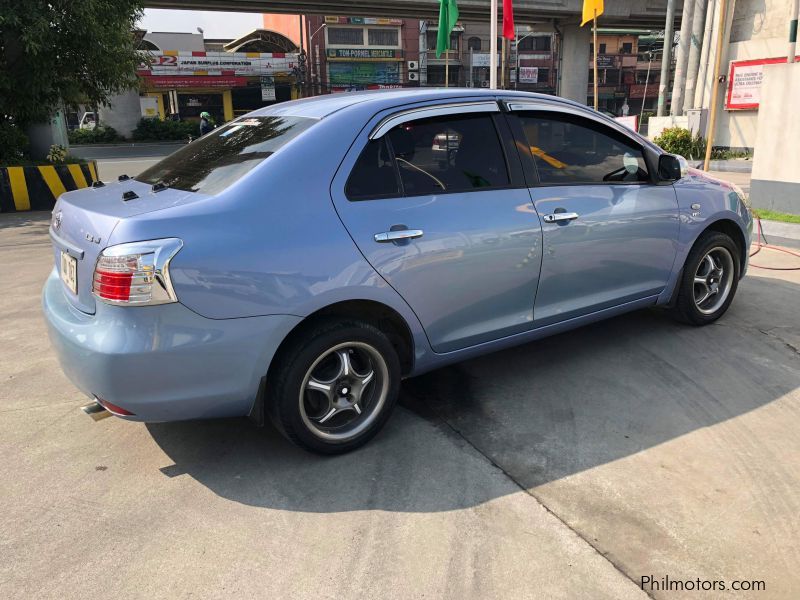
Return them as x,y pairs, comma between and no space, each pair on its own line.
575,62
695,46
682,58
666,58
708,32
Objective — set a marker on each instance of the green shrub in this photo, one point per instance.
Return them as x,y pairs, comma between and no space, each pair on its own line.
155,130
58,154
13,143
677,140
98,135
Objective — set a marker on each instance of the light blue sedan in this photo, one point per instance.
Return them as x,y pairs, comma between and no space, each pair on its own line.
302,260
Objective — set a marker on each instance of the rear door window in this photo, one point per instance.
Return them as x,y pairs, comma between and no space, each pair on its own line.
374,175
217,160
458,153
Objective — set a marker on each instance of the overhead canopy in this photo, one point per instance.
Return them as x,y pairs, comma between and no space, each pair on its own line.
261,40
630,13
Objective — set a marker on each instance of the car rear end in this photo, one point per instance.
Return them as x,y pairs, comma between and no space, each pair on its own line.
120,330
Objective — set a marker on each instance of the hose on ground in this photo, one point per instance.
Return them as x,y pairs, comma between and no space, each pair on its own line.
765,244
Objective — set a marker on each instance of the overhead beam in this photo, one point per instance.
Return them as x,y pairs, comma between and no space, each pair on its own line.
648,14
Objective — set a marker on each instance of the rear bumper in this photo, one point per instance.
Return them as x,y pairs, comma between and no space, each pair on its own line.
163,363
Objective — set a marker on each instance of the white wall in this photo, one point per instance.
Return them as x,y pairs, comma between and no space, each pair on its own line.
775,181
758,29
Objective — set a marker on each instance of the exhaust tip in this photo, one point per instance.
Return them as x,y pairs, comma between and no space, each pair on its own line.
96,411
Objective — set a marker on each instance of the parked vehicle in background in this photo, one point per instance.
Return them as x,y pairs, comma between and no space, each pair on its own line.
298,262
88,121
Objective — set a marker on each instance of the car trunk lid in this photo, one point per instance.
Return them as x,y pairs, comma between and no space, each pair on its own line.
83,221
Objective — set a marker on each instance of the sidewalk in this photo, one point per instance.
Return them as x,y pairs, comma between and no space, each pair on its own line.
734,165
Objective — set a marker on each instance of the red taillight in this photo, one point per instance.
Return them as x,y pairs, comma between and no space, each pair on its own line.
111,285
136,273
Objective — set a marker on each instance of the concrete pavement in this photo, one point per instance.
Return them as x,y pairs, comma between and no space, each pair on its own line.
568,468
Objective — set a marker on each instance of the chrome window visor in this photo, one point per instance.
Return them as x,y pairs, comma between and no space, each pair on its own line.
426,112
515,106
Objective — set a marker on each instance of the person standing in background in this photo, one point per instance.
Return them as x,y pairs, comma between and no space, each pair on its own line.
205,123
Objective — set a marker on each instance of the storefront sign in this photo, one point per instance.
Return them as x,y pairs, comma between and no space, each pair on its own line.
529,74
268,89
480,59
744,83
218,63
196,81
364,54
361,21
637,90
605,61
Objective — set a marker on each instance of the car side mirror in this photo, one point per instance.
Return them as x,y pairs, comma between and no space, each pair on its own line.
672,167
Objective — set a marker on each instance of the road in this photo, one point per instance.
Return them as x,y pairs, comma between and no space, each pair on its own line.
131,159
567,468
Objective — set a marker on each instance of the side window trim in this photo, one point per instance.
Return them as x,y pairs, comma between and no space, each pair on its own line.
544,109
527,106
426,112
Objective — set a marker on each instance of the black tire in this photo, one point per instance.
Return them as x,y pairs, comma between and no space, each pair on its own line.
297,416
719,246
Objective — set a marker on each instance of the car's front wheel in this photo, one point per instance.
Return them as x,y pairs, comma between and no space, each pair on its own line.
709,280
335,386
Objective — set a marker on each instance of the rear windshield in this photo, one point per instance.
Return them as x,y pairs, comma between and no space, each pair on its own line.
218,159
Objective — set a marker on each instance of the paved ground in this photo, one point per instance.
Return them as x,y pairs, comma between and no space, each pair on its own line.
568,468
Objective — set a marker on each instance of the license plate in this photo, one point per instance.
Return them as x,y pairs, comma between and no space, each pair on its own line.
69,271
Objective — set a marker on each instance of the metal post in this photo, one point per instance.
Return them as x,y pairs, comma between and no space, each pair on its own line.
493,45
705,53
646,81
516,60
447,67
471,64
695,43
503,65
682,59
594,61
666,58
793,31
712,118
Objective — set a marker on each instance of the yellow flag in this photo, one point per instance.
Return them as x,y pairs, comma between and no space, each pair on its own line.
589,8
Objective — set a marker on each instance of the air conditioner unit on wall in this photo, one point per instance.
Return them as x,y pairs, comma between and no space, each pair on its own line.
413,76
413,65
484,84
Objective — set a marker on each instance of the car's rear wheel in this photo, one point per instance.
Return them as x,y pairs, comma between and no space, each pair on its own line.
709,280
335,386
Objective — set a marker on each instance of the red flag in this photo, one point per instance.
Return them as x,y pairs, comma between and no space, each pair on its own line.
508,20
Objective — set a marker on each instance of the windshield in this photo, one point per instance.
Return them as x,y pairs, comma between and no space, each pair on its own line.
218,159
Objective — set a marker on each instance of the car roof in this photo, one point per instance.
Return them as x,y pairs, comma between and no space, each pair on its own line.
319,107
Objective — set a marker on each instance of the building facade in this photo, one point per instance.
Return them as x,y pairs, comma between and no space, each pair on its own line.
361,53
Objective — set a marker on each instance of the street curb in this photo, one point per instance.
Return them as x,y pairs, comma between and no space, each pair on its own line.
38,187
727,166
789,231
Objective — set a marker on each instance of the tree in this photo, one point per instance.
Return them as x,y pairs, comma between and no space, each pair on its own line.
64,51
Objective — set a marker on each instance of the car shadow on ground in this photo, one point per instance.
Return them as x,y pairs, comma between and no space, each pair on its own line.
541,411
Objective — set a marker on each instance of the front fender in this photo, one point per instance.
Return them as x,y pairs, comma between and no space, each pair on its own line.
704,203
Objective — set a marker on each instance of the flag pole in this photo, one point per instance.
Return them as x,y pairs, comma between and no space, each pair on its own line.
493,46
594,61
447,68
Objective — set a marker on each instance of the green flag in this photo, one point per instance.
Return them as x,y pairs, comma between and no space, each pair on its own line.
448,15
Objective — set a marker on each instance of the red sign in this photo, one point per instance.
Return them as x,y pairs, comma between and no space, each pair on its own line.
193,81
637,90
744,82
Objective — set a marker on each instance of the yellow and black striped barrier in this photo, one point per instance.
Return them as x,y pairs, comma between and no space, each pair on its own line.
37,188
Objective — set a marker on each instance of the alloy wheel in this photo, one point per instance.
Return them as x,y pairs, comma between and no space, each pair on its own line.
344,390
713,280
